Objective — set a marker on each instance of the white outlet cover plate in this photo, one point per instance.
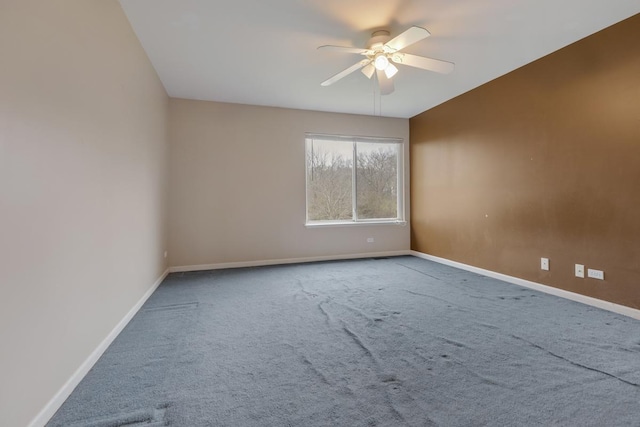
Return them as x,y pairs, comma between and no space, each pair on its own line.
595,274
544,264
579,270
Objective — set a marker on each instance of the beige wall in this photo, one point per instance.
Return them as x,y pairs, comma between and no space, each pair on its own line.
82,189
542,162
237,190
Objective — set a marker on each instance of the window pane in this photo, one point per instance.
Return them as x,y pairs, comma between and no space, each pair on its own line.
329,180
377,180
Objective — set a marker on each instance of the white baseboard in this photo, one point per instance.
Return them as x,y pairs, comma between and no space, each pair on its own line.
605,305
260,263
56,402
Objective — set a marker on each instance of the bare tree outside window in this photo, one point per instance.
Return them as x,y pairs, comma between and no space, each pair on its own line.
329,183
341,190
377,180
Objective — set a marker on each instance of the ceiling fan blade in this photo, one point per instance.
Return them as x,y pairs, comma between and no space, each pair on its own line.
385,83
345,73
345,49
430,64
409,37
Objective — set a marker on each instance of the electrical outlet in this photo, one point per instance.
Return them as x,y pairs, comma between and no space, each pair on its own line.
370,240
544,264
595,274
580,270
165,254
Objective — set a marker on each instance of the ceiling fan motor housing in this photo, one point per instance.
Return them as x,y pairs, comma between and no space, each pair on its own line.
378,39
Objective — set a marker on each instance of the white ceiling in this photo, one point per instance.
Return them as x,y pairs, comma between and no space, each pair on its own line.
263,52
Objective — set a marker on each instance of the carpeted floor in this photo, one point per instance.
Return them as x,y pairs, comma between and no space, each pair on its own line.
376,342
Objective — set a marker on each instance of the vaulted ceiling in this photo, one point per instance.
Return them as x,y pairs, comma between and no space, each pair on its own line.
265,52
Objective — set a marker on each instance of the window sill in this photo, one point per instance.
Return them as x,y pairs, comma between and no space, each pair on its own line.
352,223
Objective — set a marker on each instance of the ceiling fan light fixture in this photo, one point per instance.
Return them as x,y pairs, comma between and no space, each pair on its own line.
368,70
381,62
390,71
380,52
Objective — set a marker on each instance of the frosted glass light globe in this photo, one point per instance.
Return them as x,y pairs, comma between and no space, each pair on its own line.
381,62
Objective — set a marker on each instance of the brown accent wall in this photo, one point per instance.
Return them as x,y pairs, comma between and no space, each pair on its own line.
542,162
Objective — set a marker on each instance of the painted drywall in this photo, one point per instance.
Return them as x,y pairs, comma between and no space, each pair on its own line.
83,162
542,162
237,184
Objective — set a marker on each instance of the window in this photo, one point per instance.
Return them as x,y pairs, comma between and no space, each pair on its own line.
354,180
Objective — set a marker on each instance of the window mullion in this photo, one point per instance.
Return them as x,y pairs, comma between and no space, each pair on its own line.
354,183
400,182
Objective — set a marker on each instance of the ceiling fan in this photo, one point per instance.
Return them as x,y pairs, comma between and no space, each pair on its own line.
381,53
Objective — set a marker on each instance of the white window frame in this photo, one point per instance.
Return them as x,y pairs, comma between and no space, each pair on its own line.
399,220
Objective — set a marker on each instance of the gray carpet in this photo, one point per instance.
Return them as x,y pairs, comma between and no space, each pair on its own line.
377,342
